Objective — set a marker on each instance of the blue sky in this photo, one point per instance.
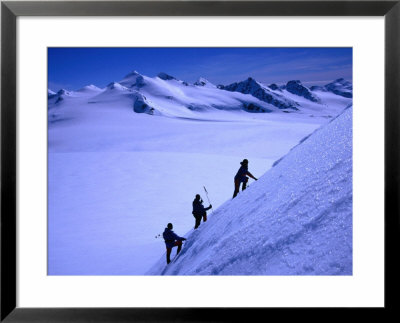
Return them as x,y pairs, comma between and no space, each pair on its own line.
73,68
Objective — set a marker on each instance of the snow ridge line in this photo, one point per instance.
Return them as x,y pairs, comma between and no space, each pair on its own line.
308,136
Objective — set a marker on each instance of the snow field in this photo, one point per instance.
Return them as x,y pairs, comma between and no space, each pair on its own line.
296,220
120,199
117,177
104,218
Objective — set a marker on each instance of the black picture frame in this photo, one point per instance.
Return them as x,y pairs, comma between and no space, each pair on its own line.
10,10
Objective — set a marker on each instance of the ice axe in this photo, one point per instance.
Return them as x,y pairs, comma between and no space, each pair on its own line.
208,198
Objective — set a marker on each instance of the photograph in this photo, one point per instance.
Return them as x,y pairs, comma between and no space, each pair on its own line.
205,147
200,161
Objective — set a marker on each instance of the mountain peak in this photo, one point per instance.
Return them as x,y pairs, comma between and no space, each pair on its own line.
340,80
131,79
133,73
89,87
251,80
115,85
273,87
295,87
203,82
64,92
340,87
165,76
256,89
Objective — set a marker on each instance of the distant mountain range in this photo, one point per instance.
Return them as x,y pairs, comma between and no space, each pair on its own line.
169,96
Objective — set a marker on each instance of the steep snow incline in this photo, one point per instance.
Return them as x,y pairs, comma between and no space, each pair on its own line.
295,220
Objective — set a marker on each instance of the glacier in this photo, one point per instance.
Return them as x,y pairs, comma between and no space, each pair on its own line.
126,159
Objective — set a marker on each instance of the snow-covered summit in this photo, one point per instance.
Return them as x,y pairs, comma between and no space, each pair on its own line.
299,89
64,92
341,87
263,93
341,82
133,78
204,82
295,220
130,75
165,76
274,87
59,97
116,86
113,92
89,89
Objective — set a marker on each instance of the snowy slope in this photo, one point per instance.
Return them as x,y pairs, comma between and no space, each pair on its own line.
295,220
128,158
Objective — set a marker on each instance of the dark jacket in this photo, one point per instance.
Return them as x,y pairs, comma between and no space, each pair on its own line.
242,172
198,208
170,237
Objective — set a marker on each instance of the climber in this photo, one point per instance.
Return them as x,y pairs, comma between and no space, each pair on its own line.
172,240
241,177
199,211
